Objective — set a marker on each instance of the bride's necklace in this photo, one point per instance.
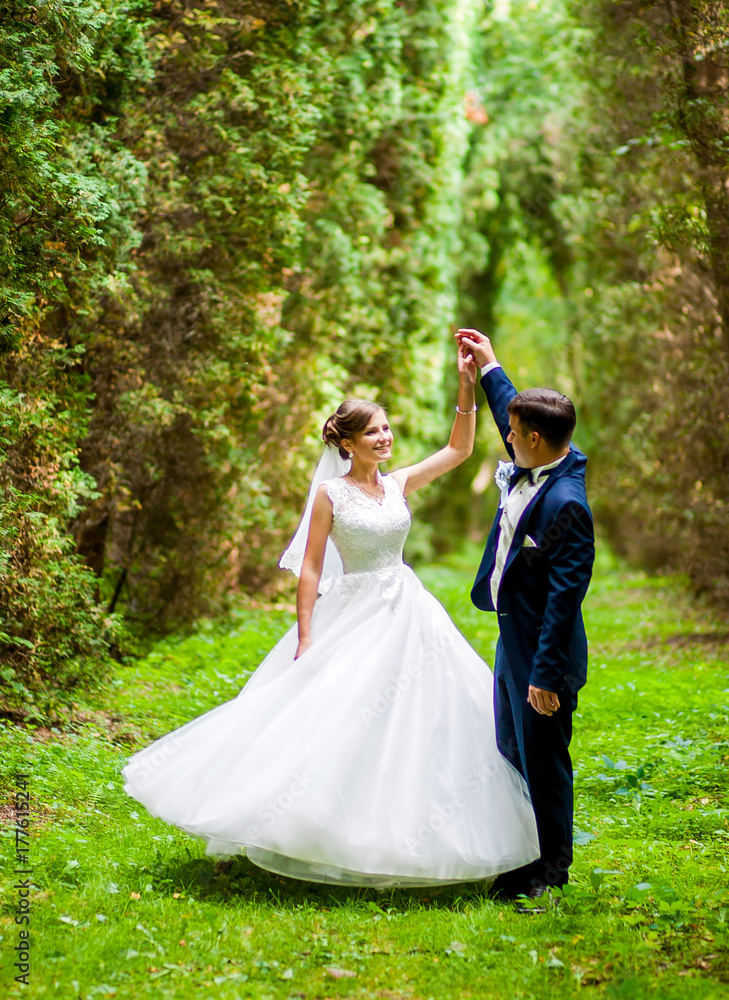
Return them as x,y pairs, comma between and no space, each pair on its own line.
377,496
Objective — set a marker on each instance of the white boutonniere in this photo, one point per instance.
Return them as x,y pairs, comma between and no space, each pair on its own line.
502,477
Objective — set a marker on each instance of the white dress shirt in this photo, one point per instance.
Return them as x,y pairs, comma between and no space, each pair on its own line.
516,503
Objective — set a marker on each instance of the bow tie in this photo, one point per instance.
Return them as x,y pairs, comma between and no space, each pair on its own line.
533,479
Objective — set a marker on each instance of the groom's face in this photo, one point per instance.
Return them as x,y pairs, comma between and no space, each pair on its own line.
523,445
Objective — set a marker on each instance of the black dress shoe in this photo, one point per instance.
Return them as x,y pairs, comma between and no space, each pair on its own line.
538,891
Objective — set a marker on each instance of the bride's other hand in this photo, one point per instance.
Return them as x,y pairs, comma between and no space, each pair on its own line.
303,646
467,368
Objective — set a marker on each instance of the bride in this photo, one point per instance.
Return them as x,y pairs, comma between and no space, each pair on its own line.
362,751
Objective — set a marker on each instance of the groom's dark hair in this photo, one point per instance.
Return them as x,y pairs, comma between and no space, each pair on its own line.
547,411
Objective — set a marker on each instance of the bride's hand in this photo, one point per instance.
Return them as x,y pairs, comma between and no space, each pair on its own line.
467,367
302,647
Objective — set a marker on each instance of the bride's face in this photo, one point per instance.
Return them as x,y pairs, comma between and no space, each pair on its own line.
374,443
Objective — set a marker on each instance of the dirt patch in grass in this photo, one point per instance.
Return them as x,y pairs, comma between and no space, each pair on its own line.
712,640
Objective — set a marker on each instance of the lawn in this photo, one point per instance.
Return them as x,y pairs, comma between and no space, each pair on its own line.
123,905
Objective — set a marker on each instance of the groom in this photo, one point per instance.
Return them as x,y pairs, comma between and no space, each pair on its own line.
534,574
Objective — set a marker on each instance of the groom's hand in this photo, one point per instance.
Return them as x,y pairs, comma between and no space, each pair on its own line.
544,702
478,344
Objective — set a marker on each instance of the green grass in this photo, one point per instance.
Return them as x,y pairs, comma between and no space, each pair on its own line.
127,906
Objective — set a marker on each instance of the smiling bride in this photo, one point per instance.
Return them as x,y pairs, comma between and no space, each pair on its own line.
362,751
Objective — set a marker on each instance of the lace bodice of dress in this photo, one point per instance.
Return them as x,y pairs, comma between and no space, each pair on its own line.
368,534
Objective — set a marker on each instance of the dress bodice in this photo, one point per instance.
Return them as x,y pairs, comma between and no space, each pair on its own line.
369,534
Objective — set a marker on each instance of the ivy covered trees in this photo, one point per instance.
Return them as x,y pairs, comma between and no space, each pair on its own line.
605,159
70,189
260,213
655,341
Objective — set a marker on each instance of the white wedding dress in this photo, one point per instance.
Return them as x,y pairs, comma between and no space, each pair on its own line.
371,760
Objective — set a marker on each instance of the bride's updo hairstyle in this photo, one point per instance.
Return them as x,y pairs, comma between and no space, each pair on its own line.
348,420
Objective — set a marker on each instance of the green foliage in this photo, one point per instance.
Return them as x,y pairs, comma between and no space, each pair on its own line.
654,329
69,188
220,218
596,215
299,240
54,635
515,266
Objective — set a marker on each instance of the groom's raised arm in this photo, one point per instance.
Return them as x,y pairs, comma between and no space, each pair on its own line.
499,392
494,382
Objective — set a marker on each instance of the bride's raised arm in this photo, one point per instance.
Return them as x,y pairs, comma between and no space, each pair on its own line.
463,433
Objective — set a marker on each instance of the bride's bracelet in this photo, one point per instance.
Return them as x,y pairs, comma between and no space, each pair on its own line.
466,413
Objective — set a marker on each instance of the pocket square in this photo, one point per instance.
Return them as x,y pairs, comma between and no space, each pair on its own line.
529,542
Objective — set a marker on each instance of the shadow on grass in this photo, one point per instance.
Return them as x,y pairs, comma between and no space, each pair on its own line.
207,879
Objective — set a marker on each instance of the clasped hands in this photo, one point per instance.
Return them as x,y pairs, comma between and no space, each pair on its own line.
476,345
474,351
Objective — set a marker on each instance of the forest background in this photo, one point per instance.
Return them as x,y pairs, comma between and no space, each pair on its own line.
219,217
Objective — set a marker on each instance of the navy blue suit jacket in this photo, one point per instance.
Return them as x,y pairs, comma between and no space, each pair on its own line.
542,587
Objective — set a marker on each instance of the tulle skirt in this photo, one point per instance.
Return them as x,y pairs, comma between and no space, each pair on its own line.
371,760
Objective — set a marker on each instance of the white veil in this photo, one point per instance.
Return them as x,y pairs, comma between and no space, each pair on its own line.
331,465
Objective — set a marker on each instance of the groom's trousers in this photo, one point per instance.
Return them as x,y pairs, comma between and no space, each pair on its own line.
538,747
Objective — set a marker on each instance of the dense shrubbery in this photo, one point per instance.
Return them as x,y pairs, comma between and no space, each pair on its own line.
606,157
69,191
297,242
240,212
655,340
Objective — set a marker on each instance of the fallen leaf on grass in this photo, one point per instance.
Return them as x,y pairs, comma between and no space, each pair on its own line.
339,973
